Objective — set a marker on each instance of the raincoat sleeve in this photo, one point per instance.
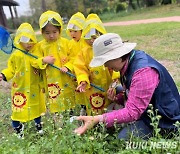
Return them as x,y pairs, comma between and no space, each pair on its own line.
115,75
70,54
74,48
10,70
81,69
38,63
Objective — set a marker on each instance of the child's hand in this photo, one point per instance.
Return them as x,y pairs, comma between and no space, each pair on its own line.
111,94
49,60
64,69
1,77
82,87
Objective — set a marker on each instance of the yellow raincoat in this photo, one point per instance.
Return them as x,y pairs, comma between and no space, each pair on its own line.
60,86
28,101
78,20
96,100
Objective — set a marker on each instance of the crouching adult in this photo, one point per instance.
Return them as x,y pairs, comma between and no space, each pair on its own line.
145,81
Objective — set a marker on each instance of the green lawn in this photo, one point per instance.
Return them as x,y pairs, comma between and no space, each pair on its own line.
160,40
144,13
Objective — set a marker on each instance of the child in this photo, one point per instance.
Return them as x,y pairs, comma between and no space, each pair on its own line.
96,100
74,30
26,88
54,50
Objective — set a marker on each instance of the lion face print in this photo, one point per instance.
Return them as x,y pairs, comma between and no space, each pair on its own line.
97,101
53,90
19,100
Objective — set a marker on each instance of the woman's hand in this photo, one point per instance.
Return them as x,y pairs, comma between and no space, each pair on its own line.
49,60
82,86
89,122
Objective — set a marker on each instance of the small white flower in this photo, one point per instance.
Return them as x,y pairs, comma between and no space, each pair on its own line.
60,128
91,138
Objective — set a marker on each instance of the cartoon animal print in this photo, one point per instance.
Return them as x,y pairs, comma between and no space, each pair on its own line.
97,101
18,101
53,90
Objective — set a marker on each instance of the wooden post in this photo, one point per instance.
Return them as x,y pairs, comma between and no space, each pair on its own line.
3,20
12,17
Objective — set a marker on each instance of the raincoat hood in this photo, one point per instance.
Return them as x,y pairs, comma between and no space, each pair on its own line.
78,20
25,30
49,16
93,22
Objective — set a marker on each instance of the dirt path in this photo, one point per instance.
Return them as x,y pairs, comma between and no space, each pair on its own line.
145,21
133,22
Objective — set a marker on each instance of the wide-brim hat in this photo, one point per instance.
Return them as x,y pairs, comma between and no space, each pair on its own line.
108,47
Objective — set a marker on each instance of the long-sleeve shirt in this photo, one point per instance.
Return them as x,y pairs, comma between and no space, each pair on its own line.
143,84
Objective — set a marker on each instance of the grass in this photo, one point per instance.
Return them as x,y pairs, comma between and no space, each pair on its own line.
160,40
3,62
144,13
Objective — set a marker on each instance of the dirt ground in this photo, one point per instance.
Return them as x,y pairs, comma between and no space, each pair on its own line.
145,21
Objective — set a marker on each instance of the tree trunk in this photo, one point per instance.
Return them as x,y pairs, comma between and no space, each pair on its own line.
43,5
76,5
85,9
138,3
130,5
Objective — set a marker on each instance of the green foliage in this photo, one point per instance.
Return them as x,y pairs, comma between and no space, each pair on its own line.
153,114
165,2
120,7
98,11
105,10
143,13
150,2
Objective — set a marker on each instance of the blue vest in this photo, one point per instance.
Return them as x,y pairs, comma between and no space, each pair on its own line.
165,98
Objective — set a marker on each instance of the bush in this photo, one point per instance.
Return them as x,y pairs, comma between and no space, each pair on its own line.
98,11
120,7
165,2
105,10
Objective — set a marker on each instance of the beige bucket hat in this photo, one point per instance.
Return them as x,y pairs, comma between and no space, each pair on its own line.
109,46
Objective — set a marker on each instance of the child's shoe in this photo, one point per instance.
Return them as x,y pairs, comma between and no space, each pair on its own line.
39,129
20,131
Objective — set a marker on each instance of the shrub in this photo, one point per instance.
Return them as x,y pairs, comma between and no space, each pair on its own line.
105,10
120,7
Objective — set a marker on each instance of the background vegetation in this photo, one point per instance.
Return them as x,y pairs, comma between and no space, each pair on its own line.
107,9
160,40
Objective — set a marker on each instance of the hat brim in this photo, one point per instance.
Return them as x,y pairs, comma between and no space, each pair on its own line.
113,54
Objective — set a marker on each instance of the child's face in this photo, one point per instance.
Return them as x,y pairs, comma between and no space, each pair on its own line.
51,32
75,34
27,46
90,41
